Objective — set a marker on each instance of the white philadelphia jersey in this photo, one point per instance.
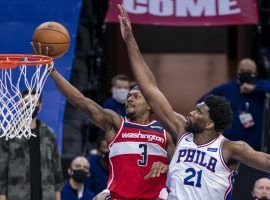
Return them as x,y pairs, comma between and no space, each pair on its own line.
198,172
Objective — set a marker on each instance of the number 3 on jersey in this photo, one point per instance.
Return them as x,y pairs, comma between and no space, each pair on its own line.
194,178
144,159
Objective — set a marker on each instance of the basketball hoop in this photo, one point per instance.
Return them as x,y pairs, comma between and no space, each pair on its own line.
20,72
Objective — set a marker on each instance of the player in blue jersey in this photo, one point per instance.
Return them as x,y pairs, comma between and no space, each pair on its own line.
204,162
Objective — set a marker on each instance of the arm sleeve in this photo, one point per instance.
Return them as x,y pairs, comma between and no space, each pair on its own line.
262,86
3,166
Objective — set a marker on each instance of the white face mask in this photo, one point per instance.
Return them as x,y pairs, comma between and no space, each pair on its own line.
120,95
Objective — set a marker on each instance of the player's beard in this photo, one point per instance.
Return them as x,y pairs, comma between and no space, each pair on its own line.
130,115
193,128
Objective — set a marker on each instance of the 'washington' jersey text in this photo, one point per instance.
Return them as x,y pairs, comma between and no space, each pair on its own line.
132,152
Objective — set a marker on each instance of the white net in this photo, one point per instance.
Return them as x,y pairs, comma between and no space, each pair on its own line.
16,110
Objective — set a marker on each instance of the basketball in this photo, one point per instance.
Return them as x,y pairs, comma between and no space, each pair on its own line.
55,36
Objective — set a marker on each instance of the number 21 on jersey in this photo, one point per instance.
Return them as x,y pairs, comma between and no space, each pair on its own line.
193,178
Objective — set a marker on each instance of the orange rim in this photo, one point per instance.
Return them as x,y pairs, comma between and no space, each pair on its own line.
10,61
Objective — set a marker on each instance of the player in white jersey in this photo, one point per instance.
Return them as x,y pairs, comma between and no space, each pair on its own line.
199,170
204,162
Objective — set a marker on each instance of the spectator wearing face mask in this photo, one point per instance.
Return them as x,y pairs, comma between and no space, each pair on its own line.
246,95
261,189
120,89
74,188
99,167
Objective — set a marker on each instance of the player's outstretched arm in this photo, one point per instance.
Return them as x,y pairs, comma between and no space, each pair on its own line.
147,82
103,118
243,153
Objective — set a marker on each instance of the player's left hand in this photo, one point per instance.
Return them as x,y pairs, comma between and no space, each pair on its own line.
38,50
125,24
157,169
247,88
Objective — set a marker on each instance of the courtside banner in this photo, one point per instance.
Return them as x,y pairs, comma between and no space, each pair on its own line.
187,12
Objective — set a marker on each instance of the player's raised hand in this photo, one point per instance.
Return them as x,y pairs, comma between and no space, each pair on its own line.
38,50
157,169
125,25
